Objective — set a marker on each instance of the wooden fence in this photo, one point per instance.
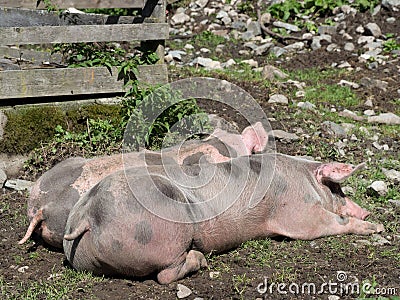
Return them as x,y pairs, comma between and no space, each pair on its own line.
22,22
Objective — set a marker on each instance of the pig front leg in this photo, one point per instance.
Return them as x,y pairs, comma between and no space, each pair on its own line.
320,222
187,263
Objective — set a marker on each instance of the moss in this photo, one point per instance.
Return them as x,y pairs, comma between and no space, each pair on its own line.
28,127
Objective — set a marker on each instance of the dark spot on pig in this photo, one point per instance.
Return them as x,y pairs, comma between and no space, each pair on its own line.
101,202
192,170
168,189
255,166
279,186
342,220
310,199
143,232
116,245
193,159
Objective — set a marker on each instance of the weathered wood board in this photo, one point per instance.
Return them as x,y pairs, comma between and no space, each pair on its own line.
83,33
18,17
75,3
72,81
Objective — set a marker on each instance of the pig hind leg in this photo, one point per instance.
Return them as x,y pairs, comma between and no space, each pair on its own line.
321,222
187,263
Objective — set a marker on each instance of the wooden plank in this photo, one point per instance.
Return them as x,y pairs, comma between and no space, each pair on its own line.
75,3
17,17
37,57
71,81
82,33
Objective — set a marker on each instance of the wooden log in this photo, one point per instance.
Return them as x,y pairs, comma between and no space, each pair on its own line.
75,3
17,17
36,57
82,33
72,81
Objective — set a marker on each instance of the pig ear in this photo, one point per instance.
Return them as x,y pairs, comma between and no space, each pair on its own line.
336,172
255,138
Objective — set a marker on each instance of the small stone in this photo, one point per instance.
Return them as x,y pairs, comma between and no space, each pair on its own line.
251,62
205,50
348,127
229,63
209,11
295,46
333,129
300,94
254,27
350,114
208,63
177,54
221,14
214,274
183,291
180,18
368,103
391,4
392,174
347,36
344,65
365,39
202,3
189,47
349,83
391,20
396,203
349,47
316,41
333,297
287,26
244,52
271,73
377,188
262,49
19,184
278,98
360,29
369,112
379,240
373,29
22,269
374,83
283,136
278,51
306,105
384,147
385,118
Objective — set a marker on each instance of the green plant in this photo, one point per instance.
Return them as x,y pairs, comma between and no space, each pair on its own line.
390,45
240,283
285,10
152,113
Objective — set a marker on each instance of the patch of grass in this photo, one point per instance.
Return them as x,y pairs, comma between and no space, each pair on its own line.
58,286
336,95
259,251
207,39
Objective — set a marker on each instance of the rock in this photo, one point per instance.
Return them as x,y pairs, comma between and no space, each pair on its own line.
266,18
19,184
183,291
391,20
300,94
222,14
306,105
238,25
12,164
214,274
287,26
254,27
374,83
333,297
316,41
262,49
392,174
373,29
229,63
384,147
377,188
369,103
251,62
379,240
295,46
278,51
177,54
365,39
205,50
369,112
22,269
348,127
271,73
333,129
3,122
349,83
360,29
391,4
278,98
283,136
180,18
396,203
201,3
349,47
385,118
343,64
3,177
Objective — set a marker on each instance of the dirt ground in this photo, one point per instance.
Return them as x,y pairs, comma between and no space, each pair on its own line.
249,271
